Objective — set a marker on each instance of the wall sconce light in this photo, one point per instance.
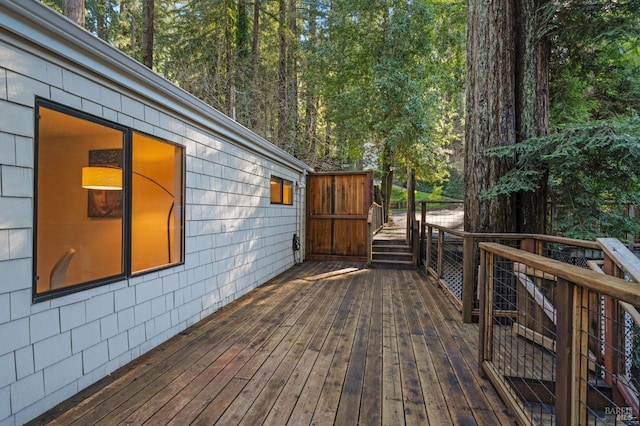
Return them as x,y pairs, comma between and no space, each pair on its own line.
102,178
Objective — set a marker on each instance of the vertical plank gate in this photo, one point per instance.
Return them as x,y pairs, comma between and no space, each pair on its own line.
337,210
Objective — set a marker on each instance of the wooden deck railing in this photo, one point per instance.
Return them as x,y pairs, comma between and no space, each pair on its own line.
376,218
375,222
560,342
452,257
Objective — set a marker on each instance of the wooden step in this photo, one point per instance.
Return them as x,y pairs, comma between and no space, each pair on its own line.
391,254
392,264
394,256
389,242
391,248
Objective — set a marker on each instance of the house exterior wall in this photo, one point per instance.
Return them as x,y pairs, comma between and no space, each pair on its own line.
235,241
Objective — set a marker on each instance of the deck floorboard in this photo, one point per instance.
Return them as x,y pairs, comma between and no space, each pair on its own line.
324,343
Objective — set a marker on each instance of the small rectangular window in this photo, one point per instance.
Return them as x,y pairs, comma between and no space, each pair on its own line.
281,191
276,190
109,202
287,192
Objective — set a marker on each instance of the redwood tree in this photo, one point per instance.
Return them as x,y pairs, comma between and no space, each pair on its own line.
74,10
147,32
507,92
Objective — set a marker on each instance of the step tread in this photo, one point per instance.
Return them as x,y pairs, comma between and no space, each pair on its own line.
391,254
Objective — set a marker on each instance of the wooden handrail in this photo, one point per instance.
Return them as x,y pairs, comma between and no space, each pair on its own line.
573,317
466,302
586,278
624,259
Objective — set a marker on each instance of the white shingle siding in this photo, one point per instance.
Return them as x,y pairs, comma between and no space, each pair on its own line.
235,239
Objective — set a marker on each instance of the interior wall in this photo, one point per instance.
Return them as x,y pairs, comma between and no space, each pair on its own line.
156,185
63,220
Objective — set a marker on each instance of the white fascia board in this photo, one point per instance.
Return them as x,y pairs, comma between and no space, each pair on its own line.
37,23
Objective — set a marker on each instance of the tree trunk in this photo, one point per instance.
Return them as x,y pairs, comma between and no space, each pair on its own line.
240,79
101,20
311,101
147,32
490,112
507,103
227,58
127,12
292,79
282,75
387,182
255,65
532,104
74,10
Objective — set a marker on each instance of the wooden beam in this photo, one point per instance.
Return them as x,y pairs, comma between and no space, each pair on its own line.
565,402
546,305
532,335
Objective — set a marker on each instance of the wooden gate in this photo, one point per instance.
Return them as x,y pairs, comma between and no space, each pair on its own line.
337,210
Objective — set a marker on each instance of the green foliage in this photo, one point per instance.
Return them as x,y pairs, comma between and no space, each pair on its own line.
454,187
595,62
388,72
383,72
400,194
593,170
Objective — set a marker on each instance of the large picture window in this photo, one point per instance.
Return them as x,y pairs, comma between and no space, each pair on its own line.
281,191
109,202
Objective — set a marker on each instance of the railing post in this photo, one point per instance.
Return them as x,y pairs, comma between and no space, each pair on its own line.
485,295
611,331
429,244
423,217
468,278
581,352
411,203
415,234
528,244
440,253
423,224
565,404
370,235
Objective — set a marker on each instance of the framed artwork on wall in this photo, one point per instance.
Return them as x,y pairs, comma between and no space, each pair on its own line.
105,203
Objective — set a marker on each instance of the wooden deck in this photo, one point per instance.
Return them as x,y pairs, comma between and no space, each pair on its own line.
324,343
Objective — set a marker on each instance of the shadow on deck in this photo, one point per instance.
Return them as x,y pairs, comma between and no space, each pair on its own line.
324,343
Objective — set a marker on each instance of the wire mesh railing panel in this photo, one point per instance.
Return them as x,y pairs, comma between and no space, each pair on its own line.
571,254
564,343
433,261
448,214
524,336
609,361
451,270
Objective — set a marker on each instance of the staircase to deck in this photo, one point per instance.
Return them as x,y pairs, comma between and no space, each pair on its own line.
392,253
390,248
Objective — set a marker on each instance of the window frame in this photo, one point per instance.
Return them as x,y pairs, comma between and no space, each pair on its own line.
127,200
282,183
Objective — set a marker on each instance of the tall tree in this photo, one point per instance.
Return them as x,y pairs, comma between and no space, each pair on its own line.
507,102
490,117
283,107
147,32
380,82
532,105
74,10
255,62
